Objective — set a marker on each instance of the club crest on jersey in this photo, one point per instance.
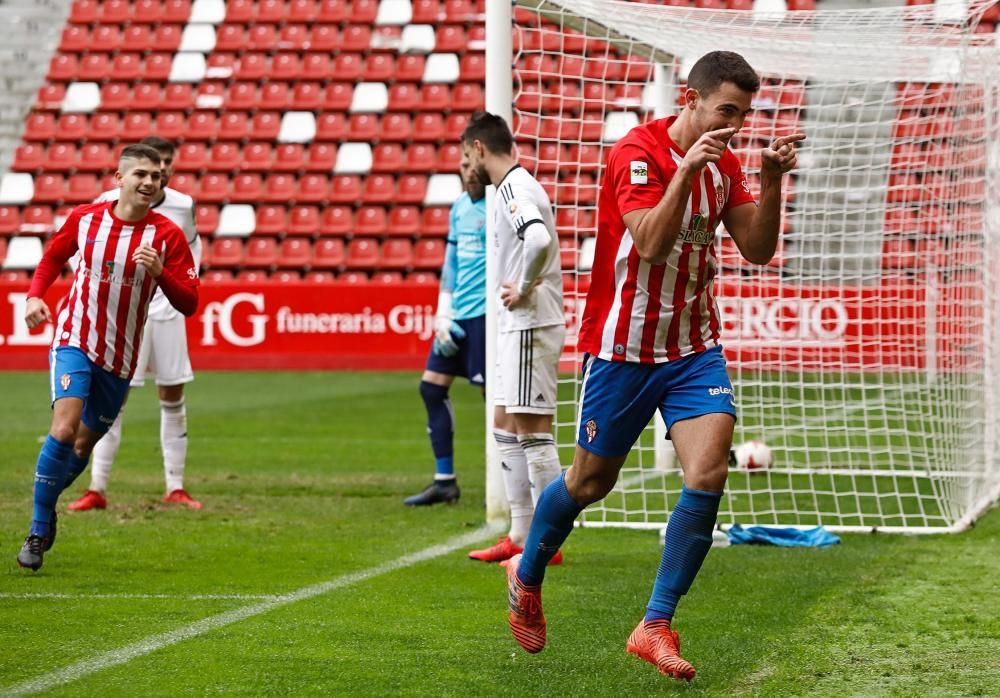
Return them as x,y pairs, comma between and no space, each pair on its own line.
591,427
638,172
720,197
65,380
512,207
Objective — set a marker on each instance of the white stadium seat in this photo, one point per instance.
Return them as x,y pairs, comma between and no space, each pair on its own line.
394,13
417,38
82,98
443,189
354,158
199,38
370,97
23,253
188,67
236,220
209,11
297,127
16,188
441,67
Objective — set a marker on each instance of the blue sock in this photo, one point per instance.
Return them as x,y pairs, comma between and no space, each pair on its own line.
50,472
555,513
440,427
76,466
688,539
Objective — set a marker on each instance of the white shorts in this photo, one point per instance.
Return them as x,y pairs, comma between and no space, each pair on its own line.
527,369
164,353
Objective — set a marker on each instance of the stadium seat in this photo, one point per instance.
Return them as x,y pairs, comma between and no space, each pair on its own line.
256,157
241,95
312,189
449,156
251,66
397,254
324,37
211,11
442,189
288,157
354,158
364,11
413,189
270,220
48,189
435,98
370,97
240,11
410,68
337,96
169,38
217,276
363,127
302,11
265,126
336,221
213,188
202,125
184,183
247,188
37,219
285,66
320,157
106,38
328,254
294,253
348,66
319,277
71,127
261,253
82,189
378,188
81,98
428,254
159,67
441,68
403,221
370,220
472,67
95,157
362,253
387,157
10,220
225,157
397,127
345,189
403,97
293,37
236,220
262,37
307,96
303,220
29,158
145,97
297,127
63,68
450,38
279,188
468,97
50,97
170,125
206,219
233,126
431,127
60,157
434,221
230,37
23,253
331,127
40,127
270,11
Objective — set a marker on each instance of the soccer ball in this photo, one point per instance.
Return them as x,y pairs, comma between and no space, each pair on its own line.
754,455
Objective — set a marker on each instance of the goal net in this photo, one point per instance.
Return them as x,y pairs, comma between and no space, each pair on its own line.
865,354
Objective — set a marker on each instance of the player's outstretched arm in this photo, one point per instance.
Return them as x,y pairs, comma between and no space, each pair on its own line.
57,253
755,229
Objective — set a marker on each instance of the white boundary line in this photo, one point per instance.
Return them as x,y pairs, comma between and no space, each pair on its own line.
28,595
125,654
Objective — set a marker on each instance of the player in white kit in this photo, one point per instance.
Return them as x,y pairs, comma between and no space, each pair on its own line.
164,353
531,325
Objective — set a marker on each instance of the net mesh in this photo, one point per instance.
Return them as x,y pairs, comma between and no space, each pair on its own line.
863,355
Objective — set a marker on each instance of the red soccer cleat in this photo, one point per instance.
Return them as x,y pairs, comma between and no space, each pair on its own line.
657,644
504,549
527,622
182,497
91,499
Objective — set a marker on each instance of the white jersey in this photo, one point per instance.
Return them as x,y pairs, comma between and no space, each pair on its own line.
179,208
521,201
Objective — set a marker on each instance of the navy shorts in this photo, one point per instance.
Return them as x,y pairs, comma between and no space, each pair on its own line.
619,398
73,374
470,360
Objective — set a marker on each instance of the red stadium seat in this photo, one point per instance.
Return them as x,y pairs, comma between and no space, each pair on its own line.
95,157
363,127
321,157
450,38
472,67
293,37
403,221
364,11
166,38
174,11
410,68
387,157
370,220
285,66
386,278
336,221
108,126
40,127
206,219
279,188
10,221
428,254
324,37
60,157
202,125
217,276
76,38
378,188
156,67
106,38
230,37
170,125
333,11
379,67
423,278
262,37
302,11
37,219
182,182
396,127
316,66
251,66
434,221
288,157
303,220
71,127
262,253
427,12
307,96
429,126
84,12
241,95
252,276
225,157
295,253
348,66
345,189
247,188
435,97
448,158
63,68
312,189
468,96
328,254
233,126
412,189
50,97
213,188
270,11
397,254
146,96
265,126
319,277
96,67
82,189
271,220
257,157
337,96
404,96
240,11
116,11
362,253
28,158
455,124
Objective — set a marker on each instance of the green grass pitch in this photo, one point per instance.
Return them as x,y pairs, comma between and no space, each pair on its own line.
302,475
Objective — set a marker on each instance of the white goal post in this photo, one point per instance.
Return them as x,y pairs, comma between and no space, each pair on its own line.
865,355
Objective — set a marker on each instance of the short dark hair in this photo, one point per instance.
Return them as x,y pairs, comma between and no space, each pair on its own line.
162,145
140,151
490,130
717,67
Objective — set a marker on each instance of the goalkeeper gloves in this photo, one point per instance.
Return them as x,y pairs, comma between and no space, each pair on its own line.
446,330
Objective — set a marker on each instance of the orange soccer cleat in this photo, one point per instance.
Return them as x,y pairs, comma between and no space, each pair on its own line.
656,643
504,549
527,622
182,497
91,499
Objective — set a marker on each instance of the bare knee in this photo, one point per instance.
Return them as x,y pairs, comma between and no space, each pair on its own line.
171,393
587,486
63,431
709,477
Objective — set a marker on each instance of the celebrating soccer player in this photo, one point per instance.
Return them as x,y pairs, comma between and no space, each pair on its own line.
459,347
127,251
164,351
651,327
531,325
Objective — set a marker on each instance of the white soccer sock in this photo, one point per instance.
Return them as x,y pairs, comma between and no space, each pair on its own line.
517,484
104,455
543,461
173,441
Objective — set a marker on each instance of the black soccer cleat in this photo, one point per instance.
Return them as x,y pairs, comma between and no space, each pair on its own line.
438,491
31,552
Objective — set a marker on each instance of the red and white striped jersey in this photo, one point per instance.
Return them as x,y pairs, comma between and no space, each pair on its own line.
651,313
105,310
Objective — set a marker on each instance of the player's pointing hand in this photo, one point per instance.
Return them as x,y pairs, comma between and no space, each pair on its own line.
781,156
708,148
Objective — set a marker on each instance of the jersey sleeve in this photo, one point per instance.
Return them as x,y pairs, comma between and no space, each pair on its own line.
636,177
61,247
179,279
739,188
519,208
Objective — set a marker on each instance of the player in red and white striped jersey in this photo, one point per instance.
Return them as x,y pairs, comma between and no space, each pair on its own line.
126,251
652,327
